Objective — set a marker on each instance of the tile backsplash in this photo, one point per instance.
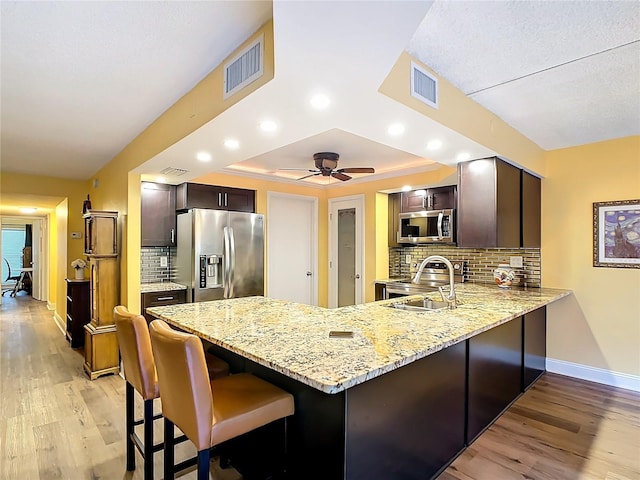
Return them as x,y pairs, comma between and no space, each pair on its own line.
151,269
481,261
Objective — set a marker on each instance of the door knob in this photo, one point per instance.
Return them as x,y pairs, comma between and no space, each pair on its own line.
309,274
357,276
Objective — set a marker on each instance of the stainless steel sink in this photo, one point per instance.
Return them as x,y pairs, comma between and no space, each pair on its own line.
420,305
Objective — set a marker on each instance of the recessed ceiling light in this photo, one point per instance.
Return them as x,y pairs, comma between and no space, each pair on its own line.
320,101
406,188
232,143
434,145
395,129
268,126
28,210
463,157
203,156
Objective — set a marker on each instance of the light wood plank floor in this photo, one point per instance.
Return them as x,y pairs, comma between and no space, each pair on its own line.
55,423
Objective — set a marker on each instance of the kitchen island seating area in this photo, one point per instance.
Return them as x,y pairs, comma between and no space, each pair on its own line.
209,413
140,375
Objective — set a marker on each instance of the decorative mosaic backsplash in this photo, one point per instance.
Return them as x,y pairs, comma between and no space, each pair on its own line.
481,261
151,269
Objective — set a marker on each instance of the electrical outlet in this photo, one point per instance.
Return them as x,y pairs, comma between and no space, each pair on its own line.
164,261
407,259
516,262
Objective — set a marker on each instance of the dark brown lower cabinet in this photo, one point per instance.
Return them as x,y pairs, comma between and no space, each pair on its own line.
158,299
494,374
534,349
78,312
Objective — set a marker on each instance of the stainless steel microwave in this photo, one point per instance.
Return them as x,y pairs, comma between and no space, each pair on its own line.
429,226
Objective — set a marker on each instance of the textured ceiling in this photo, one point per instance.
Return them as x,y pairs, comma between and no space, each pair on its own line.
80,80
562,73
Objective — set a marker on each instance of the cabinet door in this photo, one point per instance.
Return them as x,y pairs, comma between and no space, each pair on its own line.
414,201
494,375
534,345
489,204
441,198
394,211
531,210
196,195
158,215
238,200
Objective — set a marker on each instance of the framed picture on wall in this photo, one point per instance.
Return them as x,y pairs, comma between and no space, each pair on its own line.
616,234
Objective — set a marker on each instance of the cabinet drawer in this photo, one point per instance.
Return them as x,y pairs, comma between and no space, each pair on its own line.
158,299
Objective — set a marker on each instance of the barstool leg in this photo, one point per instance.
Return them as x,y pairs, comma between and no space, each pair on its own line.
148,440
203,464
169,443
131,450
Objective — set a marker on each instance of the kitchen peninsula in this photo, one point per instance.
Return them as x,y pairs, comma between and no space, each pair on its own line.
398,398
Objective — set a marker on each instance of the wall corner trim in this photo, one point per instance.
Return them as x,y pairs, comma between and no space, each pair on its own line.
593,374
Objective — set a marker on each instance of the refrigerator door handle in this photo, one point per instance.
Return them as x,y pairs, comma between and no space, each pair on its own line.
227,262
232,262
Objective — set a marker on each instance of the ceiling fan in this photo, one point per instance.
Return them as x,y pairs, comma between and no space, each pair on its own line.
326,163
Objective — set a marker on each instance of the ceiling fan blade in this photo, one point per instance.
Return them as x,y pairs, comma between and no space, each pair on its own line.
312,175
299,169
357,170
340,176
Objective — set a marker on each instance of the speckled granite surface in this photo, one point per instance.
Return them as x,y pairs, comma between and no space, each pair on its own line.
293,339
160,287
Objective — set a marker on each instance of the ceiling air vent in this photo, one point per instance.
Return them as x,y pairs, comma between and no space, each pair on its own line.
173,172
244,68
424,86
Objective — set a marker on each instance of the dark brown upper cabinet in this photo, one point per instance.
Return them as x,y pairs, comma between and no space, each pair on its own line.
436,198
498,205
197,195
158,215
394,211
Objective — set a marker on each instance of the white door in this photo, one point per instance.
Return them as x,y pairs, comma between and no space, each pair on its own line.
292,245
346,251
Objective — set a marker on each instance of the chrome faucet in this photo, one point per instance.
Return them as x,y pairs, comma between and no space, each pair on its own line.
451,298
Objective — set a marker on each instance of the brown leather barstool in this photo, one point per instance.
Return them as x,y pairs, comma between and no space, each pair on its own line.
208,412
140,375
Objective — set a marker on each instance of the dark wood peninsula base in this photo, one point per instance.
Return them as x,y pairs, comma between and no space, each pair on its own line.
410,423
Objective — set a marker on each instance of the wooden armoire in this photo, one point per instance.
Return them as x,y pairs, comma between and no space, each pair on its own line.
101,247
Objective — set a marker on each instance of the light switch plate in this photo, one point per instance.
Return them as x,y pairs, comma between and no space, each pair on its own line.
516,262
407,259
163,261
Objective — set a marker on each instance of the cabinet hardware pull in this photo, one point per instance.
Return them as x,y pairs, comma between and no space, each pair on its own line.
159,299
225,200
220,199
173,235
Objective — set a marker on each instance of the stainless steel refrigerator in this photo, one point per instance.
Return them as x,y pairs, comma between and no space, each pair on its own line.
220,254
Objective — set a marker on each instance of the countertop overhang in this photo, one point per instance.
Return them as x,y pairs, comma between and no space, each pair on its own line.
293,338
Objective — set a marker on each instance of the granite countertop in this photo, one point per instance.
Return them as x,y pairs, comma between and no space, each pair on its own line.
293,338
160,287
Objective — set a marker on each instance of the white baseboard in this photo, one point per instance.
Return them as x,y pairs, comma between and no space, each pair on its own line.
51,306
60,323
593,374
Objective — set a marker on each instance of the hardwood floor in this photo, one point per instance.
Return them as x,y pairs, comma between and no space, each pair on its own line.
55,423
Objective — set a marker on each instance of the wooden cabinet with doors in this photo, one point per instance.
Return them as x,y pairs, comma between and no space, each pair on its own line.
101,344
394,211
159,299
78,311
436,198
498,205
197,195
158,215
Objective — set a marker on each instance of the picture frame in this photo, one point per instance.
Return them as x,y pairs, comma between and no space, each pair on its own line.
616,234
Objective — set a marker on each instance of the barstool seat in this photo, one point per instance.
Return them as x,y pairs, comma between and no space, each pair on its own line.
141,376
208,412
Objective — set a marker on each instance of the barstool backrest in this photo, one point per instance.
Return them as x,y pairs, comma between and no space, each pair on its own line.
135,349
187,400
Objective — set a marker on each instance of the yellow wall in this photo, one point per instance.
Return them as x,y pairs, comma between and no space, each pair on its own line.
460,113
600,325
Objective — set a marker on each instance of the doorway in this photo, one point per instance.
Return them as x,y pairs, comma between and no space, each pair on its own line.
292,246
346,251
24,248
